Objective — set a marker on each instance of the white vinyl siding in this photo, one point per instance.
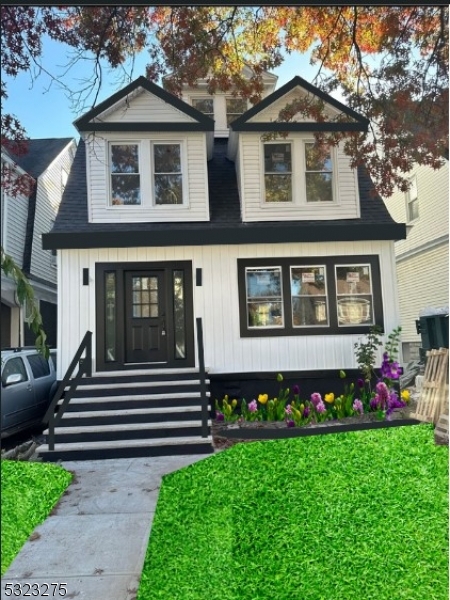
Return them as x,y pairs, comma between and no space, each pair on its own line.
15,227
48,198
433,222
271,113
195,179
217,303
145,107
345,203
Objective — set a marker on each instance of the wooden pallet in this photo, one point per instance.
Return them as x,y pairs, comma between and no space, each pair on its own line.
434,391
441,431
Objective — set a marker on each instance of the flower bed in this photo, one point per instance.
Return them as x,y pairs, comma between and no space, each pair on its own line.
357,400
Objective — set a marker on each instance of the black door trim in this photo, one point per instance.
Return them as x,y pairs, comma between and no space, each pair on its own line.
119,268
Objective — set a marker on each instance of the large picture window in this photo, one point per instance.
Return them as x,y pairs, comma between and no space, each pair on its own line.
278,172
309,296
125,177
168,179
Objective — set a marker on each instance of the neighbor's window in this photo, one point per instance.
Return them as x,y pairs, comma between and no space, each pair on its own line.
264,298
309,296
318,174
354,295
125,177
278,172
204,105
235,108
412,201
168,180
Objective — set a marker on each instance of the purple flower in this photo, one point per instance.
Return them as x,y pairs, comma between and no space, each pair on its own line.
382,390
219,416
360,383
315,399
306,412
290,423
253,406
295,390
374,403
288,409
358,406
320,407
393,403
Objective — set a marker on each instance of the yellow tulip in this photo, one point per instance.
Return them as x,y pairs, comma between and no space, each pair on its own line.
233,403
329,397
405,395
262,398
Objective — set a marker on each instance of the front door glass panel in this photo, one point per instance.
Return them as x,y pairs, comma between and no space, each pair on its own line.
145,297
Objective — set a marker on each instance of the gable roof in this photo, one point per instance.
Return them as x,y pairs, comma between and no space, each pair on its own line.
41,153
73,230
202,122
242,123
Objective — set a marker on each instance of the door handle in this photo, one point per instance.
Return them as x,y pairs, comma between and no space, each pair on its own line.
163,329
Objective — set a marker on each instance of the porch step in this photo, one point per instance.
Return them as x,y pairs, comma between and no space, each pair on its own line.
132,431
128,414
124,402
127,448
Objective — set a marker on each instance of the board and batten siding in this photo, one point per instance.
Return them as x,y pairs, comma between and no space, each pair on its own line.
251,175
217,303
48,198
195,177
145,107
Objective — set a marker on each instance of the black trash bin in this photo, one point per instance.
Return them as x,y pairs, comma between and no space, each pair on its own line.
433,330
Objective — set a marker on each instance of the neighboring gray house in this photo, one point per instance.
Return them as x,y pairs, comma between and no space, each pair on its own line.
288,259
24,220
422,258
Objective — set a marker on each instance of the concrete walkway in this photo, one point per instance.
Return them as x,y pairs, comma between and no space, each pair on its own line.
96,539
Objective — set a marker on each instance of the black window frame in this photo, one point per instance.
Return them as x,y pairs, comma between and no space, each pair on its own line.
329,262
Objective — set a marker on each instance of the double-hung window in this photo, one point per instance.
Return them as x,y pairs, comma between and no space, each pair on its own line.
124,174
278,172
318,174
309,296
412,201
167,174
204,105
235,108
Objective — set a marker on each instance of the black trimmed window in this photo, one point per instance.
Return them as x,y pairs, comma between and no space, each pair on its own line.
309,296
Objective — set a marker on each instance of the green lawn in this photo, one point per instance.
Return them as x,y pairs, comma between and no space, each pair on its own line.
336,517
29,492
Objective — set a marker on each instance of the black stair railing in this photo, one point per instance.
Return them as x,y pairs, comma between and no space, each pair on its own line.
84,368
202,376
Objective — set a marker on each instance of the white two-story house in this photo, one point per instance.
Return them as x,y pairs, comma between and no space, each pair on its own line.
183,209
24,220
422,258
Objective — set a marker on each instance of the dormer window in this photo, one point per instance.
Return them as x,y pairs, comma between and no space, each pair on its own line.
168,178
278,172
235,108
125,177
318,174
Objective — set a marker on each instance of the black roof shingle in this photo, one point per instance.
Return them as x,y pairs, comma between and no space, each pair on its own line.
72,229
40,154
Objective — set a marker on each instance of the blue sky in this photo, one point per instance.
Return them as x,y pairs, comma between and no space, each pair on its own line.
45,111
